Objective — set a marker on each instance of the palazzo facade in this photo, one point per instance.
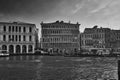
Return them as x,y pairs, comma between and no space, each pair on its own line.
96,38
17,37
60,36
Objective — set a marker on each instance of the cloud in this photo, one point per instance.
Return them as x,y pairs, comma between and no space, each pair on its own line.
77,8
69,7
102,6
113,9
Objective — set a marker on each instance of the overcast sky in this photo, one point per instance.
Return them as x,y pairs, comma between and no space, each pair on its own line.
105,13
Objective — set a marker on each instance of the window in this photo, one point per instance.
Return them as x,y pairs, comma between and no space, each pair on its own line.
30,48
20,29
9,28
4,28
19,37
4,37
24,29
13,28
4,47
30,38
24,38
12,37
16,29
16,38
9,37
30,29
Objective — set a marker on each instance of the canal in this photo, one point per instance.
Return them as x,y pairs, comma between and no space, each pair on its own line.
57,68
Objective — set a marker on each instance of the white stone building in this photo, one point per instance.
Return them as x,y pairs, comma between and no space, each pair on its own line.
17,37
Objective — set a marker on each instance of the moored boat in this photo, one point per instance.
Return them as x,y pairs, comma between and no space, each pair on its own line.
3,53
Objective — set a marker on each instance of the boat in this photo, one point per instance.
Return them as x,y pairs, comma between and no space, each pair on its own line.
4,53
37,51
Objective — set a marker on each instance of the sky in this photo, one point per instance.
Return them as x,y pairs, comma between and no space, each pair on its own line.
104,13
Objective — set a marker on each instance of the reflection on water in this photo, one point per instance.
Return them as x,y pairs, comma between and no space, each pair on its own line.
20,58
57,68
19,67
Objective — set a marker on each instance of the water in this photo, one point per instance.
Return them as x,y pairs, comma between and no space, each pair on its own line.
57,68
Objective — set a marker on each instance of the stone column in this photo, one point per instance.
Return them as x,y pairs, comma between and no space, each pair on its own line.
14,46
21,49
33,51
21,38
27,48
7,39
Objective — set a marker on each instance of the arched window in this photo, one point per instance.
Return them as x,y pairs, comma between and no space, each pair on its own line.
11,49
30,48
18,49
24,49
4,47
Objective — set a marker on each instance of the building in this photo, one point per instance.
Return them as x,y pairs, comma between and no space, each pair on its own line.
60,36
17,37
115,40
37,43
95,38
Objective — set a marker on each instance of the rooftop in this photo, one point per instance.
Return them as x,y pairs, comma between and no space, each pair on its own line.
95,28
115,31
19,23
61,22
